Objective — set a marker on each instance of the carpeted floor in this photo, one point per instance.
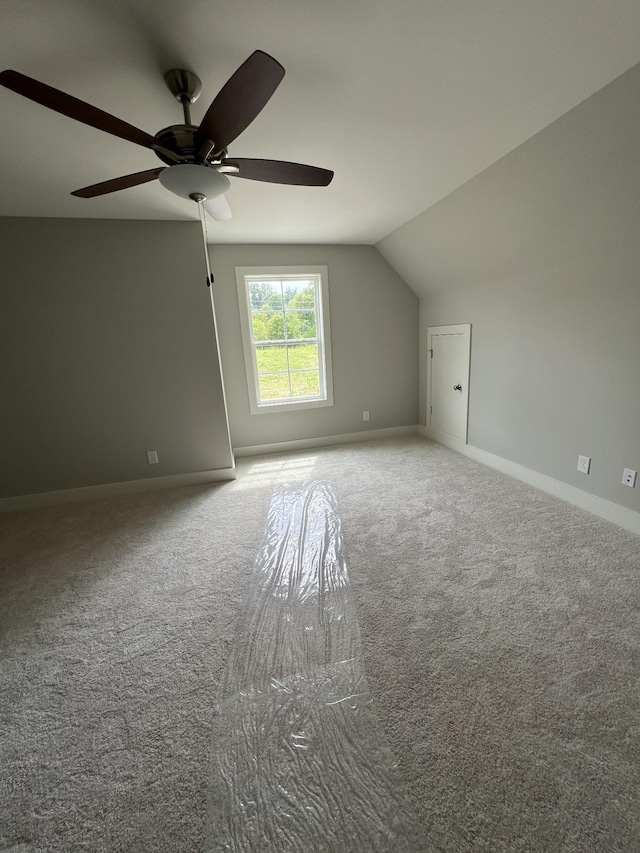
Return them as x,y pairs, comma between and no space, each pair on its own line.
500,632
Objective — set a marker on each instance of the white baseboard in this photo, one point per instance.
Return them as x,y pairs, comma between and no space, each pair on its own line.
324,441
84,493
620,515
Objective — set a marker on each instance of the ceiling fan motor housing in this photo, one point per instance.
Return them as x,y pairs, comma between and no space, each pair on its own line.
180,138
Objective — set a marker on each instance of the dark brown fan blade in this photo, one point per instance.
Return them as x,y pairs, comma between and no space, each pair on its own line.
240,100
280,172
118,183
74,108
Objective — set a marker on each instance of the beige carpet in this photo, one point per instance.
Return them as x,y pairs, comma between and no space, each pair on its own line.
500,631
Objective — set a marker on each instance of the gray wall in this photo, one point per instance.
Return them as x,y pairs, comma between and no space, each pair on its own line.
374,337
541,253
107,350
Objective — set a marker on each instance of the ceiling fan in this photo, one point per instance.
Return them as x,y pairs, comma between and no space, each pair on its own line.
196,158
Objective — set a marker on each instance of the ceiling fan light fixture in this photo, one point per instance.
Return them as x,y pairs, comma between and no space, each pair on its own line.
189,179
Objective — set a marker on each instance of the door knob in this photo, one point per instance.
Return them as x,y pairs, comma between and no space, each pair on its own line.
457,387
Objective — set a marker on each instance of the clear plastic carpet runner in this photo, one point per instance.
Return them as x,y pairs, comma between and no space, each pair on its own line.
299,760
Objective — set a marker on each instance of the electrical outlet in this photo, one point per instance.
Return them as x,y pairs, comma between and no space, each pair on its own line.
365,416
629,478
584,463
152,457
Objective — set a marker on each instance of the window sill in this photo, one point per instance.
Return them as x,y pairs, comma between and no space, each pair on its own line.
281,408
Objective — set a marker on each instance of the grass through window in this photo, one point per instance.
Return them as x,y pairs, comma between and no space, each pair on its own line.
273,370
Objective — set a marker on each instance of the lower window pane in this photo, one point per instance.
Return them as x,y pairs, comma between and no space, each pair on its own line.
271,359
303,356
305,384
273,386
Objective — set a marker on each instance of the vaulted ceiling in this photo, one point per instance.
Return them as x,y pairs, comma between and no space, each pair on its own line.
405,101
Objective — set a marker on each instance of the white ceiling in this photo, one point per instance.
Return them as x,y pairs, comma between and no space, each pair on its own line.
404,100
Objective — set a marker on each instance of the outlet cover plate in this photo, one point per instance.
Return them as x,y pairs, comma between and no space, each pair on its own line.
629,478
152,457
584,463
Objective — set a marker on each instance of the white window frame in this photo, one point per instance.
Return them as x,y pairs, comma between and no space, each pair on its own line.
243,277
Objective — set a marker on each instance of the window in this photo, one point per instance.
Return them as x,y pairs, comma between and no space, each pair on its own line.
284,313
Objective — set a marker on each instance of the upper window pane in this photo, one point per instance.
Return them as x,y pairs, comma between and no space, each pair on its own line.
299,293
265,295
301,324
260,326
267,326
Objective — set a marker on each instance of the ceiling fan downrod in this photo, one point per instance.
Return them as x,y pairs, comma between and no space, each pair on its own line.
186,87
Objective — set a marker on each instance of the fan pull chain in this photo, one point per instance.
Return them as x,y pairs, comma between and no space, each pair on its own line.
205,237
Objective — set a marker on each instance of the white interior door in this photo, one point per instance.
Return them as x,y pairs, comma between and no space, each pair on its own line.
448,379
